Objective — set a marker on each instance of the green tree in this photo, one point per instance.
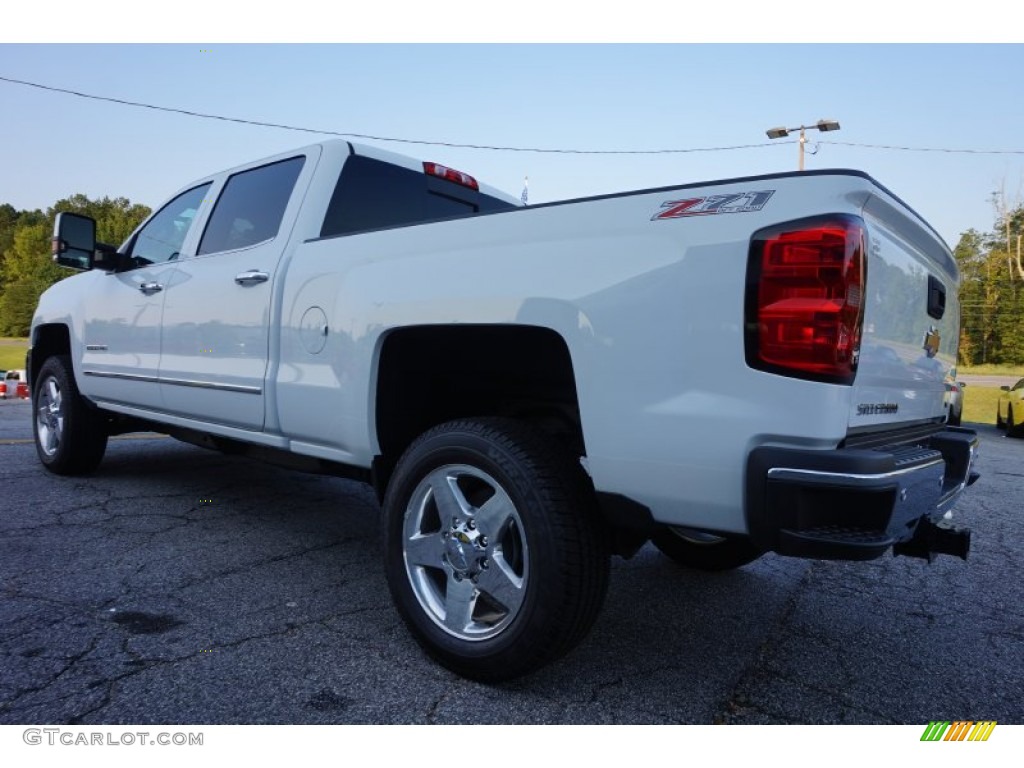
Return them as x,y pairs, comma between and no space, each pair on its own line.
116,217
970,258
26,269
992,291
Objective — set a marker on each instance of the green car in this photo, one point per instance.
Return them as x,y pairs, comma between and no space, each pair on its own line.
1010,410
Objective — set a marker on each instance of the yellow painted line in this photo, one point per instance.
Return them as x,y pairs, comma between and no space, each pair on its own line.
116,437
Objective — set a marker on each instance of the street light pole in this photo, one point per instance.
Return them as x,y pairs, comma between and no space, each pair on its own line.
821,125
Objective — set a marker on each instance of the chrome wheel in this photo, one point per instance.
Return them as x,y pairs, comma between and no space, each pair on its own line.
50,416
495,552
70,434
465,552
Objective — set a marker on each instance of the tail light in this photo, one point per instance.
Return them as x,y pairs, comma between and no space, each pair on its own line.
805,298
444,172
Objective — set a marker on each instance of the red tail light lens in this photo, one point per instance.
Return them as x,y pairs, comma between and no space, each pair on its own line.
805,298
444,172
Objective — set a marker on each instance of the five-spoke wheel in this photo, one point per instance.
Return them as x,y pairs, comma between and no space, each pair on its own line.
466,556
49,416
495,553
70,434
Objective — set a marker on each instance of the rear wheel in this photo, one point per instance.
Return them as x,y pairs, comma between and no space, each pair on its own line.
1013,429
705,551
495,555
70,434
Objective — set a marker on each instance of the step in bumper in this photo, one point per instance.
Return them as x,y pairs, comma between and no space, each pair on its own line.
856,503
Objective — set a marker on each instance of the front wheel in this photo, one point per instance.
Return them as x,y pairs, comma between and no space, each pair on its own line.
495,555
705,551
70,435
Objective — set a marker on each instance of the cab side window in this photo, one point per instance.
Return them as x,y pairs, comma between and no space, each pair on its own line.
162,237
251,207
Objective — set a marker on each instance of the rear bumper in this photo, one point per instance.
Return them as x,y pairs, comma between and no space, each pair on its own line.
856,503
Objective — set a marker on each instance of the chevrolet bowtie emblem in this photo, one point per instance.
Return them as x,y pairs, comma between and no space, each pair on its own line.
931,341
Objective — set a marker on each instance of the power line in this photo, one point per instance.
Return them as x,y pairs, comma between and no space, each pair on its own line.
926,149
492,147
208,116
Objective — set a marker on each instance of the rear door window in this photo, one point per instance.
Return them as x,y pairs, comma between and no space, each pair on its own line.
251,207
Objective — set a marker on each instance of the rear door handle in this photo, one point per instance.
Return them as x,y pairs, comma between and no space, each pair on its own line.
150,288
252,277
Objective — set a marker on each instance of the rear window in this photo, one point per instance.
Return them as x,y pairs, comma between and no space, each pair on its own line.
372,194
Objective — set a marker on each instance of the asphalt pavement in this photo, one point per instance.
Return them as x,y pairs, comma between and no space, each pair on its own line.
180,586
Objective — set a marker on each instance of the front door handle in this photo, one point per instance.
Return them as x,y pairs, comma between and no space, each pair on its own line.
150,288
252,277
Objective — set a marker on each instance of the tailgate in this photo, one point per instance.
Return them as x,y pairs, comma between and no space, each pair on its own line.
911,320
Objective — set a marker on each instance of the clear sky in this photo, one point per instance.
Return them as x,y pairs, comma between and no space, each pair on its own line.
568,96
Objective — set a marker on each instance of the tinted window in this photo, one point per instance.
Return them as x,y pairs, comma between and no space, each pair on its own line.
251,206
372,194
161,239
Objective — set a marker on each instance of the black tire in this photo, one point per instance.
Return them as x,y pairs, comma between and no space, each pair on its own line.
513,538
705,552
70,434
1000,424
954,418
1013,429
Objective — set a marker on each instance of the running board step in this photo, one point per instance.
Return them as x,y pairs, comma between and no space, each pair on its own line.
835,542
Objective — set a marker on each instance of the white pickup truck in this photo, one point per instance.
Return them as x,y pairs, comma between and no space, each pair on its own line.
728,368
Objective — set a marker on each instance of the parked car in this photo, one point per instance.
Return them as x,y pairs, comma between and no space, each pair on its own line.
1010,409
14,384
954,402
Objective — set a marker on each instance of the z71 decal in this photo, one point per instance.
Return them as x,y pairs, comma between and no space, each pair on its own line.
736,202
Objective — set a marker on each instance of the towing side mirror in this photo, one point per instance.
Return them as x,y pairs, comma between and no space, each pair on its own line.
74,240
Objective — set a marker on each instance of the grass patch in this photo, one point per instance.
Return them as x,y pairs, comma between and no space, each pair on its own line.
12,356
980,404
991,370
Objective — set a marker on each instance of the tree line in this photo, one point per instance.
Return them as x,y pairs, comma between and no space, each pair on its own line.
992,292
26,269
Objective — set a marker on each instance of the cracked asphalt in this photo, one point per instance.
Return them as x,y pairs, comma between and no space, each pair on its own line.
180,586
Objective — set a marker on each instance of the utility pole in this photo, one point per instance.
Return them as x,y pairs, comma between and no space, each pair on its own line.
821,125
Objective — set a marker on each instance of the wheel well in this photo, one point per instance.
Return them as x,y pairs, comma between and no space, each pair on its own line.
428,375
47,341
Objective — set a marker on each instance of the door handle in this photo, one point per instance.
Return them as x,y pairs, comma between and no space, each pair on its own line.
150,288
252,277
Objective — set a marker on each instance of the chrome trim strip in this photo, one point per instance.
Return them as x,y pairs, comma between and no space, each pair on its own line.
128,376
783,472
245,390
